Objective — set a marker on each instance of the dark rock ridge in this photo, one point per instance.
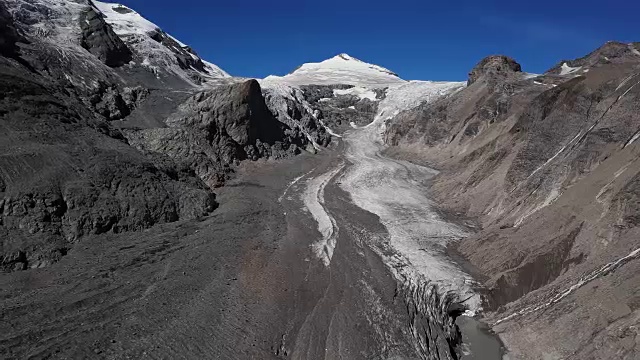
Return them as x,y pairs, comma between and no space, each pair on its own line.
100,40
492,66
9,35
548,167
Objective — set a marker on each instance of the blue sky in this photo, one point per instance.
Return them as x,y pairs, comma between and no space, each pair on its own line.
419,40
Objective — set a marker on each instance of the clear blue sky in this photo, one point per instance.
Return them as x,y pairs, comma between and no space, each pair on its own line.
422,40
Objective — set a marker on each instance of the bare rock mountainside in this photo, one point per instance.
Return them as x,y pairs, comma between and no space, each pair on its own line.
548,166
154,206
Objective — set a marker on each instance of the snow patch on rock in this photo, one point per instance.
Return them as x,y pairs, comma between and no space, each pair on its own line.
565,69
361,92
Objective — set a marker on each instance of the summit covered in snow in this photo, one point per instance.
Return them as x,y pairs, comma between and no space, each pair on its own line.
90,32
157,48
340,69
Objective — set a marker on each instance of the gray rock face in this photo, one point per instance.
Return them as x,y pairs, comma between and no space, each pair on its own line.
115,104
100,40
235,112
291,109
9,35
339,111
492,66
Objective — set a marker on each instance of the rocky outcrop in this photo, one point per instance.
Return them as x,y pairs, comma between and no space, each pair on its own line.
215,129
235,114
289,106
100,40
493,66
67,171
114,103
9,35
338,111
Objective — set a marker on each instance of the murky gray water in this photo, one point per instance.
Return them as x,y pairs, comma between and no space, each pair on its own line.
479,343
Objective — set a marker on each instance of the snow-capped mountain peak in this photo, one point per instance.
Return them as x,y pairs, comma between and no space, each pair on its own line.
340,69
156,49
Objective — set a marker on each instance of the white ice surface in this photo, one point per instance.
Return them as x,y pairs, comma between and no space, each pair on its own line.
566,69
361,92
125,24
313,199
395,191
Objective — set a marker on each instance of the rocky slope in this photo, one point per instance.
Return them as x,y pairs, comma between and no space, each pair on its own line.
108,124
548,166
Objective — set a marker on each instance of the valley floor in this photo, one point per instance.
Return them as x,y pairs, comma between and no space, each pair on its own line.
287,267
